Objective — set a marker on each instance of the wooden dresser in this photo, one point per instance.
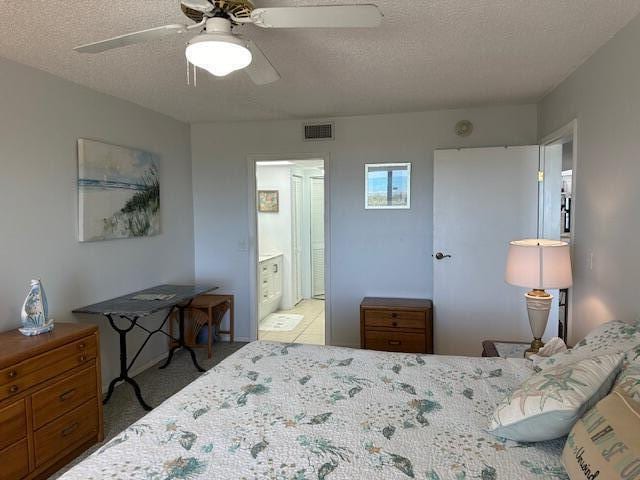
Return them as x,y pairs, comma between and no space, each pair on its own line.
396,325
50,399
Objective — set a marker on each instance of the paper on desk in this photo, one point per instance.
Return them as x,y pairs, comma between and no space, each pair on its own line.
154,296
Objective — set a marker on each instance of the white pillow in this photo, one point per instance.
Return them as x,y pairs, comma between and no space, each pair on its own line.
611,337
547,405
629,379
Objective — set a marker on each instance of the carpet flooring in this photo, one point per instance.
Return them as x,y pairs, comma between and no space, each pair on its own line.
157,385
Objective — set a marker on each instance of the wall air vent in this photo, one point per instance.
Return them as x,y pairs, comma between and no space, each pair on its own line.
318,131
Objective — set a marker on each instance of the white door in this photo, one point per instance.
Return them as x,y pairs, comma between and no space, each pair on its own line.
317,237
296,237
483,199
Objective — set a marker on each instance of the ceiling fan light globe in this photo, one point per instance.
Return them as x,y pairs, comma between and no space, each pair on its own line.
217,70
219,56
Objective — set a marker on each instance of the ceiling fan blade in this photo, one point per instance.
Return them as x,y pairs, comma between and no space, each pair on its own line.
132,38
332,16
203,6
261,72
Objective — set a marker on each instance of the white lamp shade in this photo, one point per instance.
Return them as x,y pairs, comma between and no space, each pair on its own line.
539,264
219,54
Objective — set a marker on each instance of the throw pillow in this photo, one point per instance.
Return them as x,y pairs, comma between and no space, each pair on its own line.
611,337
605,443
629,379
549,403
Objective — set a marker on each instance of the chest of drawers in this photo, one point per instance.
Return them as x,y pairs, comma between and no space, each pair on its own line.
396,325
270,284
50,399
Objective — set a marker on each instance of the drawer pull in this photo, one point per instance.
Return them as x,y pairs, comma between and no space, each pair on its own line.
82,358
394,315
13,374
67,395
70,429
394,342
81,346
14,389
395,324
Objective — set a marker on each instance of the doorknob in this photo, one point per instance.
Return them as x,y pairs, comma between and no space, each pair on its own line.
441,256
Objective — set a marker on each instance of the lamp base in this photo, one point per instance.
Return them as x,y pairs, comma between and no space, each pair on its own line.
536,345
538,307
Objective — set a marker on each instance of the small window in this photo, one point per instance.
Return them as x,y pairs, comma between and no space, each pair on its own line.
387,185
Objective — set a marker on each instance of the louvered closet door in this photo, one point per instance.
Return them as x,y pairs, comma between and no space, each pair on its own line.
317,237
296,237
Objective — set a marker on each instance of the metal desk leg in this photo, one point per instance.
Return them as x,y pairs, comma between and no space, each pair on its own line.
181,343
124,369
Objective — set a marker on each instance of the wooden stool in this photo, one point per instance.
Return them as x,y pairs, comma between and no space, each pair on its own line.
207,310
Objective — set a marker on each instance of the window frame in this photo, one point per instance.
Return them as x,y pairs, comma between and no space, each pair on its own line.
367,167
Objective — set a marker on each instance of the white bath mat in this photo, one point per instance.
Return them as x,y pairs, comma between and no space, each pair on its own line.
280,322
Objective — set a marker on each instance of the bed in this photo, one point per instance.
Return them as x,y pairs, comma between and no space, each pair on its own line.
289,411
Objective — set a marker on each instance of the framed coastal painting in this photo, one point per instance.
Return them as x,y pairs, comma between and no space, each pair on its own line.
118,192
387,185
268,201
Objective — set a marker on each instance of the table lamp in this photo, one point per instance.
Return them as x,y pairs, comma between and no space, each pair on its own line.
538,264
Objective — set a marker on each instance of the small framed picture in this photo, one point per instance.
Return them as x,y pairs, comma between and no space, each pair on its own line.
268,201
387,185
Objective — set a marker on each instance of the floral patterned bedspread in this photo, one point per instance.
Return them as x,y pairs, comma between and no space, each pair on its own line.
288,411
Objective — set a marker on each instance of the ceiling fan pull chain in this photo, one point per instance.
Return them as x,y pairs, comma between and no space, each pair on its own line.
188,79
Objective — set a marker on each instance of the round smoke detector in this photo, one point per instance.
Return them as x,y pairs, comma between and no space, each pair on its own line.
464,128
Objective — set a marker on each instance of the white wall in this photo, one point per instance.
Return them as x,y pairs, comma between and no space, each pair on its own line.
274,229
41,117
603,95
372,252
567,156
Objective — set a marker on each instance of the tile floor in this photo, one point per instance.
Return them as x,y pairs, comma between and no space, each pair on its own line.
310,330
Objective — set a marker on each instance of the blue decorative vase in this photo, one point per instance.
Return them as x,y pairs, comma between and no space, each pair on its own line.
35,311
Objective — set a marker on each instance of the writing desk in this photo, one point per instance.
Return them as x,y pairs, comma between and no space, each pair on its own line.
131,308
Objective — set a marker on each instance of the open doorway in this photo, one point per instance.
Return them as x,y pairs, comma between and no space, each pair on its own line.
557,206
291,251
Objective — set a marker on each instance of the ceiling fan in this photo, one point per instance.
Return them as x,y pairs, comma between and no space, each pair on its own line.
220,51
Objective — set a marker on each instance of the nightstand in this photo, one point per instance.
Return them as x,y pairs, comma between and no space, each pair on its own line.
396,325
505,349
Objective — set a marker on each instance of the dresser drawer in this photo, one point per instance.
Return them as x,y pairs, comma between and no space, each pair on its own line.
14,461
14,380
34,365
63,396
13,424
394,319
395,341
72,429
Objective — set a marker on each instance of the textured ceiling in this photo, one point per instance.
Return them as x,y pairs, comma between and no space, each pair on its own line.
428,54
